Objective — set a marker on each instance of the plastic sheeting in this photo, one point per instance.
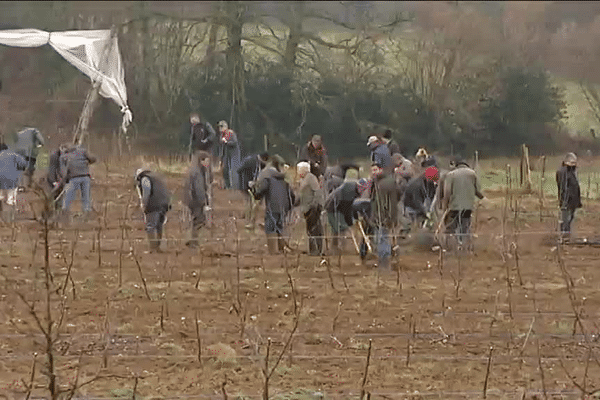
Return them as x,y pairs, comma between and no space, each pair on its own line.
88,51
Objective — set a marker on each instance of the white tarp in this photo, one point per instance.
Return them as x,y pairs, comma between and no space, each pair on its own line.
86,50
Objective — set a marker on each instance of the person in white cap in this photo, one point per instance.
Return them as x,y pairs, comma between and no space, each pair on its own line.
569,193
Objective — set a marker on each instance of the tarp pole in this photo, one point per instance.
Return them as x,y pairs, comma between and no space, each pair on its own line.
92,96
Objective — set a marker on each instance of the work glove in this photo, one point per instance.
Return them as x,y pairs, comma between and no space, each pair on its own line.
206,209
251,184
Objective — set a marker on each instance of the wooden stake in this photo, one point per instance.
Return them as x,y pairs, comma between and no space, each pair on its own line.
487,372
364,380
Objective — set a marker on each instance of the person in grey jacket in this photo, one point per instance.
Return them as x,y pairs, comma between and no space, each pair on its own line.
380,154
196,194
11,164
155,201
29,140
75,175
279,199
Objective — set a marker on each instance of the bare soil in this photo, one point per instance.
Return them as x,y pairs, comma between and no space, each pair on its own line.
442,313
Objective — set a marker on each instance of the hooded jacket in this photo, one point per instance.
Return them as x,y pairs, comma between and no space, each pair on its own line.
569,194
10,165
27,142
417,191
156,197
271,185
195,193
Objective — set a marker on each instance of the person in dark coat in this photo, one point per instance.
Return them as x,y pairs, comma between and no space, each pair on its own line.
380,154
54,179
29,140
75,175
155,201
202,135
385,196
392,145
315,153
569,193
339,207
196,194
419,194
249,170
279,200
11,165
230,155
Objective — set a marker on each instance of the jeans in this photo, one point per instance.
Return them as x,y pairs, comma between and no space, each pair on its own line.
566,218
384,248
83,184
155,221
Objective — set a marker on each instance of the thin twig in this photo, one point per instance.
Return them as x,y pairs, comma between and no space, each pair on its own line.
487,372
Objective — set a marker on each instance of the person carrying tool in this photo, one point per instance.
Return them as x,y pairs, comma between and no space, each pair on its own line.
248,173
340,213
155,202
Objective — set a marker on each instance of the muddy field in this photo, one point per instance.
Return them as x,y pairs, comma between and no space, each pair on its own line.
129,320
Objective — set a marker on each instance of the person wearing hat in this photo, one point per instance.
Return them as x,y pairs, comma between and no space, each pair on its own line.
310,200
461,187
569,193
339,207
196,194
155,202
315,153
11,165
75,175
279,200
380,154
229,155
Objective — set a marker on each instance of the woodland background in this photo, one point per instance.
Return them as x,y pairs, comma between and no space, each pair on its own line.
452,76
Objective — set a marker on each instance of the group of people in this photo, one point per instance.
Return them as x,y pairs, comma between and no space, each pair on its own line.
399,196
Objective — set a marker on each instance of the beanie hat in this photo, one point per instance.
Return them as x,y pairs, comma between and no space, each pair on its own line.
432,174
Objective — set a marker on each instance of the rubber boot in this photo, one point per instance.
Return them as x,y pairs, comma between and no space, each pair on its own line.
159,236
272,243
